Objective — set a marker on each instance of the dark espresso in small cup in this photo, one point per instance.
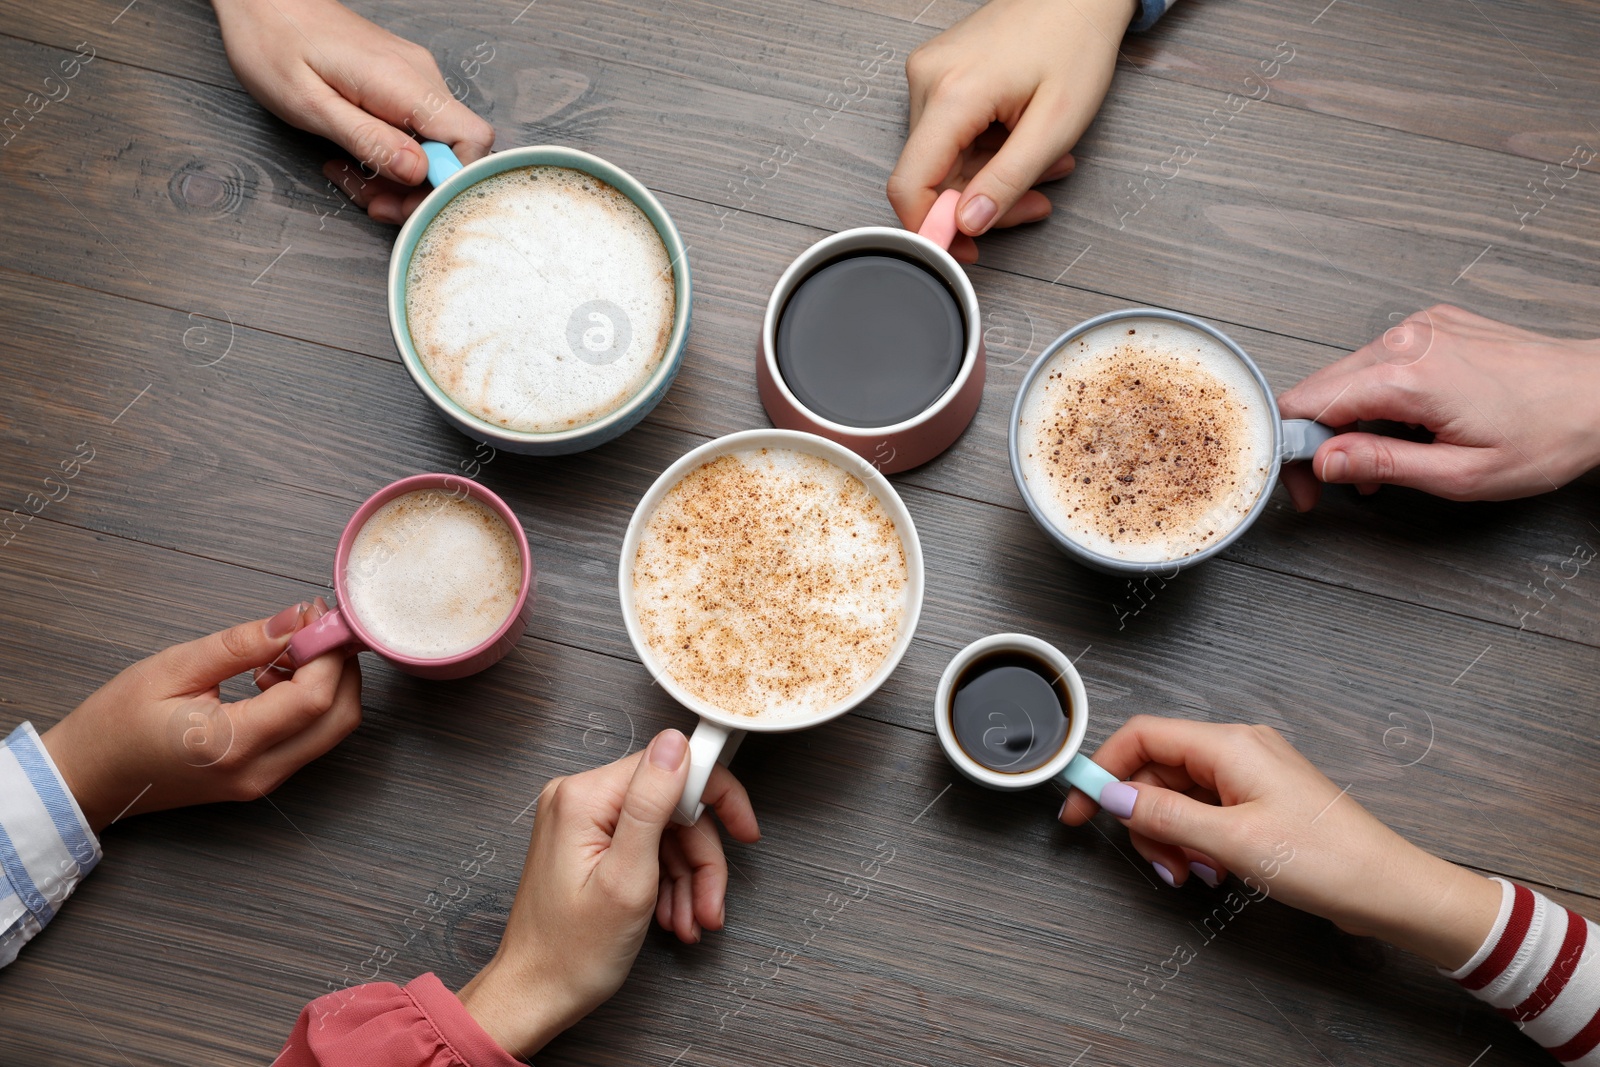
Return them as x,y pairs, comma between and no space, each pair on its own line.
871,339
1010,711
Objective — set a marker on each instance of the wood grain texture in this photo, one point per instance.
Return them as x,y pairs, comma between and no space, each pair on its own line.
988,934
183,294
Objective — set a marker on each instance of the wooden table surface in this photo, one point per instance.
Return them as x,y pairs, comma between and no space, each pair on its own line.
185,294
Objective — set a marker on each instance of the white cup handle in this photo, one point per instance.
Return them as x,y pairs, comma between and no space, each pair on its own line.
709,745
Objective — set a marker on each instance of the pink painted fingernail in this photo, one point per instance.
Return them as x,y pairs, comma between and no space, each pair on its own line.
1205,874
285,622
1118,798
1166,875
977,214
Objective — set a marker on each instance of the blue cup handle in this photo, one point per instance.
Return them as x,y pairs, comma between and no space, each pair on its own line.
441,162
1087,775
1301,437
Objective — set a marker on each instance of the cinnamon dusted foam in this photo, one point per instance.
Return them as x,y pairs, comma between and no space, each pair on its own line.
770,583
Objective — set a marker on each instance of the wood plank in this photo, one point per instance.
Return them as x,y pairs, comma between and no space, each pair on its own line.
1475,560
246,911
1515,77
1236,243
221,465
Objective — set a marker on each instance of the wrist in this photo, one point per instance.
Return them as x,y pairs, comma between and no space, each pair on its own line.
512,1008
1429,907
78,776
1591,424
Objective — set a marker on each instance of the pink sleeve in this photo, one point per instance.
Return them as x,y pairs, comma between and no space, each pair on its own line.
383,1025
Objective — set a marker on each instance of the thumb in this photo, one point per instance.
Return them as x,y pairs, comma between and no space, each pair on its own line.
1450,471
1169,817
213,659
1032,148
648,806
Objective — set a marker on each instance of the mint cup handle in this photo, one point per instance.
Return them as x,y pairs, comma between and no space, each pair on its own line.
1302,438
1087,775
441,162
709,745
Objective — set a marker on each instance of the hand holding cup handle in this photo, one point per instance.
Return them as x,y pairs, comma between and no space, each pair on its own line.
940,225
710,744
321,637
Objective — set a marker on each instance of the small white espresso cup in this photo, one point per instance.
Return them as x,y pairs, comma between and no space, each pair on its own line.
718,734
1068,768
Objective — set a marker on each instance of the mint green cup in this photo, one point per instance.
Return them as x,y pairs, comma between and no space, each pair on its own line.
450,178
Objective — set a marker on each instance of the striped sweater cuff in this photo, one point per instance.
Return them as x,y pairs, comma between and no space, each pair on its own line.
1540,968
46,846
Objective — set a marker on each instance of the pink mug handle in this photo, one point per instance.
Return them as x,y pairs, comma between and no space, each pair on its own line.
940,225
319,638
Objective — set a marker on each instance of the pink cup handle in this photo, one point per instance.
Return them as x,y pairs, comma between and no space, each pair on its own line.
940,225
321,637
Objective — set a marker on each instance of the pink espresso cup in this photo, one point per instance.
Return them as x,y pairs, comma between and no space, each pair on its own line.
340,628
916,440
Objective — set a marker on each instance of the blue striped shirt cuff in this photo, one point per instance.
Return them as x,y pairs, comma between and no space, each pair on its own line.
1150,11
46,846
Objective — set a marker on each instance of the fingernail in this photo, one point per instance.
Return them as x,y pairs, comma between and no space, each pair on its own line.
1118,798
722,915
977,214
694,929
283,623
1062,814
1205,874
319,608
667,750
413,167
1335,467
1166,875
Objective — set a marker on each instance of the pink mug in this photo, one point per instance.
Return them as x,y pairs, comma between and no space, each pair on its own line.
914,441
340,628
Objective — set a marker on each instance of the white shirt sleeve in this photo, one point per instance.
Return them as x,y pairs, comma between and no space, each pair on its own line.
46,846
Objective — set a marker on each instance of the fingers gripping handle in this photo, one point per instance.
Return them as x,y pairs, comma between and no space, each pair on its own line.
442,162
321,637
940,225
709,745
1085,774
1302,438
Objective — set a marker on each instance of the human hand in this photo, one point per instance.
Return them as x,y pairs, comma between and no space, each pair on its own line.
603,857
1512,412
158,735
322,68
1206,799
997,102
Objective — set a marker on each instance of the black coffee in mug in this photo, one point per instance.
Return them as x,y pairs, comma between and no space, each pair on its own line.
871,339
1010,711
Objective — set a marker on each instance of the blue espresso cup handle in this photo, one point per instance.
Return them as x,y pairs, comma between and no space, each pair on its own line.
1087,775
441,162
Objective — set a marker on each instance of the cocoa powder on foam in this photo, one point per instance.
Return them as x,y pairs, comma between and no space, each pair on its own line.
1149,443
770,583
